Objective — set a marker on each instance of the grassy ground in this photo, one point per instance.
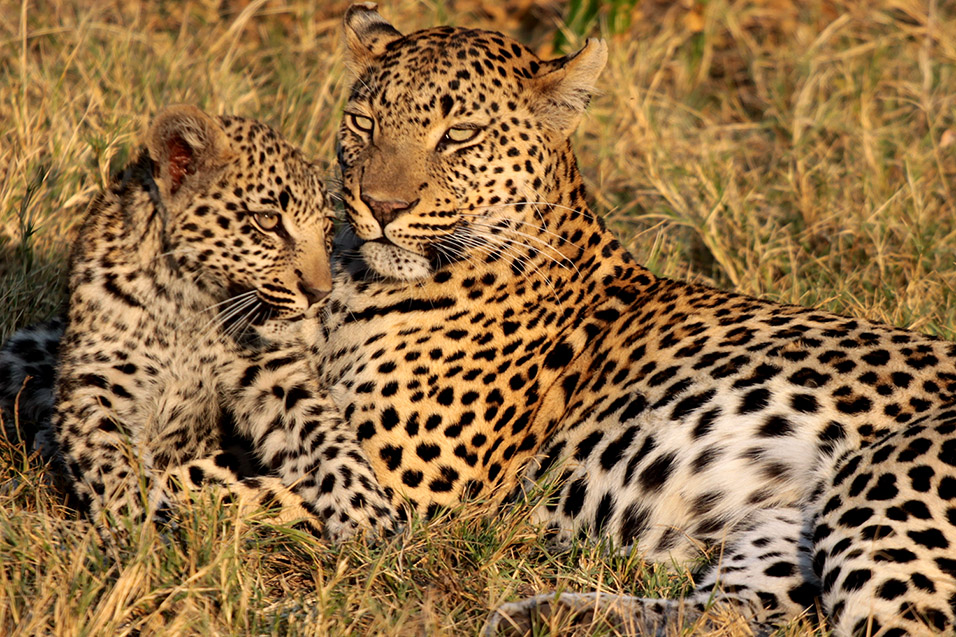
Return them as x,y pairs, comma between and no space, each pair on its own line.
803,151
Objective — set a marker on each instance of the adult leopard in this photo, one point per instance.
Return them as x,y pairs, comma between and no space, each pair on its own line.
217,225
493,332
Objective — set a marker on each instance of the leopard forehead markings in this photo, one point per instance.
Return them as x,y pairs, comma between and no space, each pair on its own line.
484,343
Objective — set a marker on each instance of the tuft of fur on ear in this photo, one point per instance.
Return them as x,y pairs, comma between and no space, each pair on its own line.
564,86
185,145
366,36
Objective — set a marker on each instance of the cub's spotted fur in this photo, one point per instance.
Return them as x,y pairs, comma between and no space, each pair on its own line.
218,224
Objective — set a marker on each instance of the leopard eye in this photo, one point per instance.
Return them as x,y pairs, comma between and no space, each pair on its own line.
460,134
266,221
361,122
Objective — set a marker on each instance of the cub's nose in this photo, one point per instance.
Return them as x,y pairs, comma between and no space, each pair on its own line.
386,211
313,295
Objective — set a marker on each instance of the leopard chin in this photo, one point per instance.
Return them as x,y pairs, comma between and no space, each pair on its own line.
393,262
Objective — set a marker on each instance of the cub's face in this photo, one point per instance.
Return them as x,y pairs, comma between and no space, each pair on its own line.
249,215
448,141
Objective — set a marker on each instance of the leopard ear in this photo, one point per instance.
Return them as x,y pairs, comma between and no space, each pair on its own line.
366,36
185,145
564,86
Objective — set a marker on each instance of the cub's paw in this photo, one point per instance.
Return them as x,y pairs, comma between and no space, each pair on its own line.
349,511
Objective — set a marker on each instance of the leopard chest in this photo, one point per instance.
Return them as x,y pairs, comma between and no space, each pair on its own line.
159,371
442,398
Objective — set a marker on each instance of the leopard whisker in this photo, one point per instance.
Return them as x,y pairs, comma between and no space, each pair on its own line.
472,250
230,299
509,246
519,233
530,202
234,305
237,306
240,325
541,229
564,262
469,238
537,210
534,268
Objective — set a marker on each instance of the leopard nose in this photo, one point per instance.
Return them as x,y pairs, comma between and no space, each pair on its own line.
386,211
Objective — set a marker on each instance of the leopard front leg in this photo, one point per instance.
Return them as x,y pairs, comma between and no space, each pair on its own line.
110,472
27,376
253,494
299,434
116,441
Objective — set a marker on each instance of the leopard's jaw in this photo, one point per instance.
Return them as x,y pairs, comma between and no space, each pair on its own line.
393,262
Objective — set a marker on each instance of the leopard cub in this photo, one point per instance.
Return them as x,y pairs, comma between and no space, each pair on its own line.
220,226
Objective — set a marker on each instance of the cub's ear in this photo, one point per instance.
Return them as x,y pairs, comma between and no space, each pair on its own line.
366,36
185,145
564,86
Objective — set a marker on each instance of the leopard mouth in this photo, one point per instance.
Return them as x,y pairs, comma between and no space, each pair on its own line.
393,261
255,306
388,259
438,253
389,244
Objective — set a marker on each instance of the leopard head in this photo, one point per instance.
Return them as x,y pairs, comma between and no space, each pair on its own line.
454,143
244,213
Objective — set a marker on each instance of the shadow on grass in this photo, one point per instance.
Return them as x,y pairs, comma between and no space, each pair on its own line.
32,284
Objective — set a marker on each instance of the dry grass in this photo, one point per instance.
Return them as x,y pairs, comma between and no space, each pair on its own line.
803,151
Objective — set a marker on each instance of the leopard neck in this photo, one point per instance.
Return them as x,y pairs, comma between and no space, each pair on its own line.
123,249
558,234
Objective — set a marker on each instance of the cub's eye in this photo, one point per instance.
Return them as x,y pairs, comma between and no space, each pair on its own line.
460,135
266,220
361,122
